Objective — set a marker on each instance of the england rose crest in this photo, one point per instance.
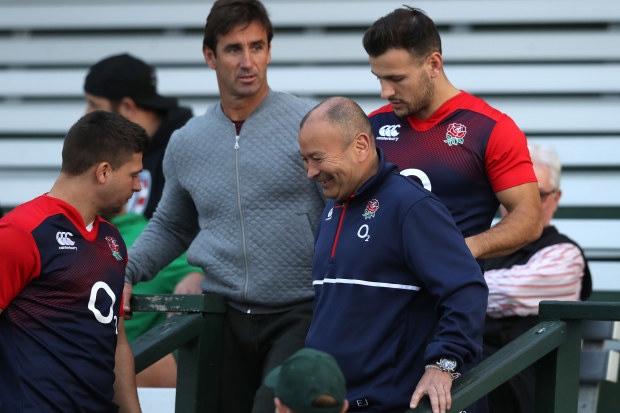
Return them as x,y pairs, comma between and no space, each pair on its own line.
371,208
114,247
455,134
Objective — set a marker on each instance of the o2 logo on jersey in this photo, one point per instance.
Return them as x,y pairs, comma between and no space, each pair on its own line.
99,316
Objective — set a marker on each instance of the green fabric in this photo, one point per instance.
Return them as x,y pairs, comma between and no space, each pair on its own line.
130,226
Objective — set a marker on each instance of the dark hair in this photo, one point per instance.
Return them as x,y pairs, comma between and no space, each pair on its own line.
409,28
101,136
227,14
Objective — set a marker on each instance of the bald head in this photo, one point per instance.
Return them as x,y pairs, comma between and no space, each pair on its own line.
343,114
338,148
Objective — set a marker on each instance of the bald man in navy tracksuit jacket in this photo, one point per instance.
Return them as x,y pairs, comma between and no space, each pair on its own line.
396,289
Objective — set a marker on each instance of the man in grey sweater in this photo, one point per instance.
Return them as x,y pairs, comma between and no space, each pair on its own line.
237,198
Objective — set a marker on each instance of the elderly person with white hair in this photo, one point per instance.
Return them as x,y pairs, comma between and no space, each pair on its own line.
551,268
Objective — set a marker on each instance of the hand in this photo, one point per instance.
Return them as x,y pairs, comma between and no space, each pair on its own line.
436,384
190,284
127,292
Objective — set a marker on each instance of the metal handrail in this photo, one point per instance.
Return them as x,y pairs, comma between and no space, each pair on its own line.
553,346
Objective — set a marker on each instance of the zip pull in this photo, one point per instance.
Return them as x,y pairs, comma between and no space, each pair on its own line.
237,142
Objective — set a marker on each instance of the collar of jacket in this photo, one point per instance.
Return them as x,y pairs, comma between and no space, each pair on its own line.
371,185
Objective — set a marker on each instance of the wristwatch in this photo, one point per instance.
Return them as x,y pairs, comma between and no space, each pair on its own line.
446,364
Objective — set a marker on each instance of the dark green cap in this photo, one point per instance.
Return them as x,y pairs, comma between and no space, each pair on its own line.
306,375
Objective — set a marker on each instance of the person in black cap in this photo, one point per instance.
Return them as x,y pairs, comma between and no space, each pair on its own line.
309,381
126,85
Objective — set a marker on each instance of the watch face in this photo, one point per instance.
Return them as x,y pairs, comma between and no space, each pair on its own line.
448,364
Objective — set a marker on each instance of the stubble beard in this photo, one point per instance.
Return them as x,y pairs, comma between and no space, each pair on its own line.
423,101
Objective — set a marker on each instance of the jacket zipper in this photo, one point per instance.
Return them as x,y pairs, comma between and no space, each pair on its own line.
344,209
243,242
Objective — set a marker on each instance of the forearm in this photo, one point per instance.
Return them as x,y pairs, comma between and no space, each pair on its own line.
521,225
510,234
125,391
167,236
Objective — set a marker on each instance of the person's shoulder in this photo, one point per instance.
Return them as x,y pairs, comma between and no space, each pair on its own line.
386,109
30,214
194,126
294,103
561,237
479,105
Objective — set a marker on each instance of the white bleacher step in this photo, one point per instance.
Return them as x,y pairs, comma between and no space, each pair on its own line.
356,80
38,162
574,151
309,48
548,115
184,13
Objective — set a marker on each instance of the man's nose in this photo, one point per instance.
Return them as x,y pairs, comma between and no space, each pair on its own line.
387,90
312,172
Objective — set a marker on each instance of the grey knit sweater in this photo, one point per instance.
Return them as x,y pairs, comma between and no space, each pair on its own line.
241,205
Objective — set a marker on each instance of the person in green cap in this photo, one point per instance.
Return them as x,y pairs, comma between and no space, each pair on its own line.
309,381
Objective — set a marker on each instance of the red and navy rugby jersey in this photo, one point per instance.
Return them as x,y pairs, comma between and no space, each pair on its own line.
463,153
61,290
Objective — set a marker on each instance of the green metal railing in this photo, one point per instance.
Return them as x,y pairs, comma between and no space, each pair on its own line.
553,345
197,334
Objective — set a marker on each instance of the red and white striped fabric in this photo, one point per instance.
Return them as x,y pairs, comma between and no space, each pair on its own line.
553,273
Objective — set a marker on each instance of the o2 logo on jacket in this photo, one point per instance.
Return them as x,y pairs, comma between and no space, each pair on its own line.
99,316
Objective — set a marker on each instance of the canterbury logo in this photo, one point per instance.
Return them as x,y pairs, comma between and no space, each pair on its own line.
65,242
388,133
63,238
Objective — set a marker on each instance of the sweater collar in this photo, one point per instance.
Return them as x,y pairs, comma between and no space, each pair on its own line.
219,112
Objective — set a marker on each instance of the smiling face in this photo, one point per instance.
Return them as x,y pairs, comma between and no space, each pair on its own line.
120,184
405,82
240,62
329,160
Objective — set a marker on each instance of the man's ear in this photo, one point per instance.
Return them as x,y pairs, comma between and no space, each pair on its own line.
435,64
345,406
102,172
361,145
209,57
